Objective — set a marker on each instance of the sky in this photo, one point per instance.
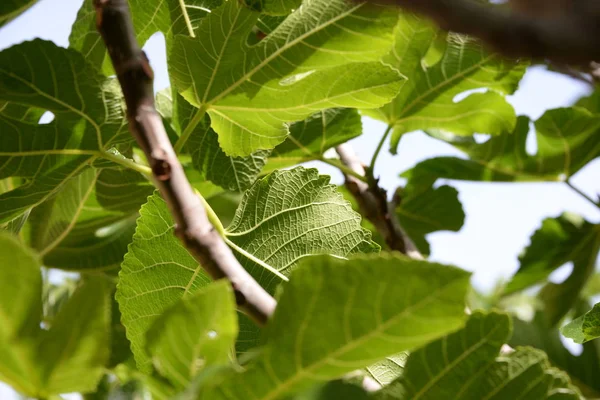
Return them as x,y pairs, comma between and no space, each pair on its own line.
500,217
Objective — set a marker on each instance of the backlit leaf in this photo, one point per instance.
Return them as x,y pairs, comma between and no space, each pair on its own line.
567,139
584,328
430,210
323,55
335,316
198,332
309,139
568,238
466,365
308,215
71,355
88,120
428,99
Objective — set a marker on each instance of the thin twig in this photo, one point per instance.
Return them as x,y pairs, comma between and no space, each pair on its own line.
579,192
374,206
379,146
343,168
125,162
192,225
571,37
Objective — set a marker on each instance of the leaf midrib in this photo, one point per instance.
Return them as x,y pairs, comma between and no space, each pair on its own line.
406,110
447,368
275,215
279,51
286,384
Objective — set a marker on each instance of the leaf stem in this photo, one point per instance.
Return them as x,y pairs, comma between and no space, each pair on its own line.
256,260
127,163
347,171
585,196
212,215
189,129
186,17
379,146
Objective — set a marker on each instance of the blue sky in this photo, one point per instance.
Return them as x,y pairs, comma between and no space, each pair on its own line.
500,217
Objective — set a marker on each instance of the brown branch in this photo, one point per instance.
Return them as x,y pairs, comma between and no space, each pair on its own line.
192,224
374,206
570,36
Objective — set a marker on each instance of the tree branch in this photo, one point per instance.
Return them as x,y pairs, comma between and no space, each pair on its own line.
192,225
374,206
571,36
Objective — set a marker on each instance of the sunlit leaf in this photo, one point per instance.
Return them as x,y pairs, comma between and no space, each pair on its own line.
466,365
198,332
53,220
583,368
70,356
323,55
336,316
567,139
88,120
231,173
568,238
73,353
308,215
274,7
388,369
309,139
428,99
584,328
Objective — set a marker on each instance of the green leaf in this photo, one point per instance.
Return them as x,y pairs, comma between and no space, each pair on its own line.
568,238
97,224
21,286
86,39
337,389
156,272
387,370
465,365
324,55
149,17
53,220
168,17
524,373
95,244
335,316
309,139
274,7
567,140
122,190
445,368
21,309
198,332
11,9
89,119
231,173
556,242
428,99
308,214
431,210
584,328
70,357
73,353
583,369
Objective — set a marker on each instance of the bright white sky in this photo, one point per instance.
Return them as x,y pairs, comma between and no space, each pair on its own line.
500,217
